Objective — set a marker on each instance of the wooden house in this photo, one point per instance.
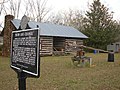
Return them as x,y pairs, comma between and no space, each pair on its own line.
52,37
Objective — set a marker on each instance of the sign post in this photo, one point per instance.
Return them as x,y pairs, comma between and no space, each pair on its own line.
21,80
25,55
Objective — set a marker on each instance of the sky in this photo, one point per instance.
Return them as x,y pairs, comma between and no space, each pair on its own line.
64,5
113,5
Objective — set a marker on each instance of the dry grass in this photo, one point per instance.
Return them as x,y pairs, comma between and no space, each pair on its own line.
59,73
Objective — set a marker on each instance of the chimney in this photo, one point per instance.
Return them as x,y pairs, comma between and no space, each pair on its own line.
8,19
8,27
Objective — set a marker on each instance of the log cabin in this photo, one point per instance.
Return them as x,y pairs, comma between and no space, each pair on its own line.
53,37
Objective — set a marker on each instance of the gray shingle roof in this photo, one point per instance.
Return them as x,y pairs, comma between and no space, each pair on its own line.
48,29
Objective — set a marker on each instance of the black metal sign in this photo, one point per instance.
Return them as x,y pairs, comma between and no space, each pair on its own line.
25,51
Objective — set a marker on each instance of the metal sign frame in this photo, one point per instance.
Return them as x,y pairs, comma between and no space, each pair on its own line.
22,66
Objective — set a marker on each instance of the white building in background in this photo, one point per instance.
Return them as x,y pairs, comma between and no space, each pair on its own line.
1,39
114,47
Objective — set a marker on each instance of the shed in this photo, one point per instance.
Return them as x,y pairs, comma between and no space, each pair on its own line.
1,39
53,37
114,47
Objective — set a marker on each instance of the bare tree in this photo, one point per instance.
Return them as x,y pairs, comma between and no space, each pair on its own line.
69,18
10,7
2,2
35,9
74,18
56,19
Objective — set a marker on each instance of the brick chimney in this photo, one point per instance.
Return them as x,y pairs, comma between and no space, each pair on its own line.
8,27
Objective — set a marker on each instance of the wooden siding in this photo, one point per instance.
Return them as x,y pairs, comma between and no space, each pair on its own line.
74,42
71,43
52,45
46,45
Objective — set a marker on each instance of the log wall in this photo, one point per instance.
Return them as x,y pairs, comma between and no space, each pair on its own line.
46,45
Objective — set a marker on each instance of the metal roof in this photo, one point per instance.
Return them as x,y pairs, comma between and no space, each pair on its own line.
48,29
16,23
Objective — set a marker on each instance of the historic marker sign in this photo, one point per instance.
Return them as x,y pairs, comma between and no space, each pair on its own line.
25,51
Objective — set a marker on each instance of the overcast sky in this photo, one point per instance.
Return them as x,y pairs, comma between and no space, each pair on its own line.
113,5
60,5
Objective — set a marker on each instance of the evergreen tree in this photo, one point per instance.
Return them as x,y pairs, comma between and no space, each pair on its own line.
99,26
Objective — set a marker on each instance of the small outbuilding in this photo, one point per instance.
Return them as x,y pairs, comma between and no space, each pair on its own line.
1,39
114,47
53,37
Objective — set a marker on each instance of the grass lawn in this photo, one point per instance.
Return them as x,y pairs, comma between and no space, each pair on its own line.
59,73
